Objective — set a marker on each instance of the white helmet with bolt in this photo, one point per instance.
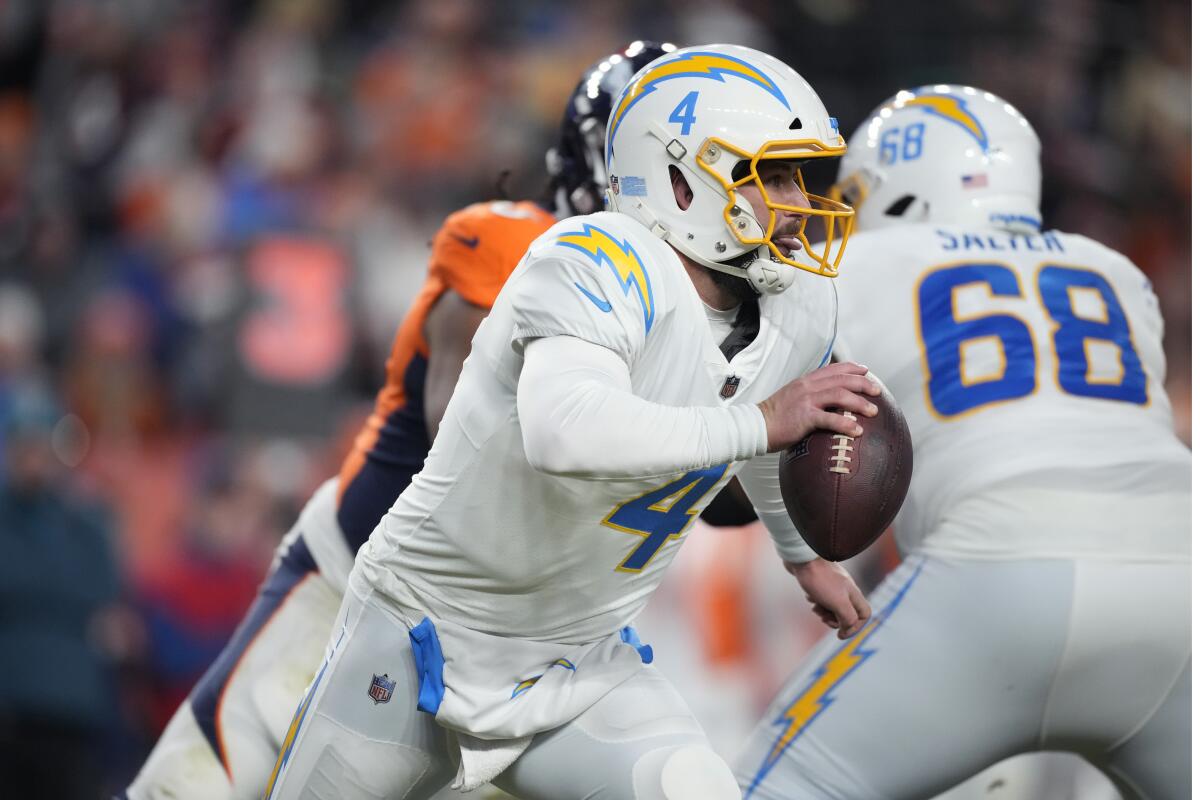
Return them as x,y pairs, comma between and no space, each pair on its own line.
944,154
715,112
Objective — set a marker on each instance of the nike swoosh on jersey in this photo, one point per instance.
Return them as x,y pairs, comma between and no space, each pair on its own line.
601,304
472,243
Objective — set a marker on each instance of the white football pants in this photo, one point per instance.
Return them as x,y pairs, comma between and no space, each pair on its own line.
639,742
966,663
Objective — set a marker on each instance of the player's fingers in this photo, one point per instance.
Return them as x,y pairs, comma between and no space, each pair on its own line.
862,384
856,374
846,615
841,368
862,612
860,603
846,632
827,618
846,400
838,423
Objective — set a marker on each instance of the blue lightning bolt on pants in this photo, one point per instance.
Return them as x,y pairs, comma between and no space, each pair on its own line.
968,662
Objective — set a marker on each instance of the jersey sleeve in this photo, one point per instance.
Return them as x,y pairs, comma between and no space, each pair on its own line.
560,295
477,248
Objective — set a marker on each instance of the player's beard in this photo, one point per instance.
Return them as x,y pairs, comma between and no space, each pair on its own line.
739,287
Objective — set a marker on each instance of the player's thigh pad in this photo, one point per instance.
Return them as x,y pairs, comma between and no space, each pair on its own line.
344,742
639,742
956,661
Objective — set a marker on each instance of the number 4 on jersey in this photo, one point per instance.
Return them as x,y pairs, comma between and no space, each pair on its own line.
662,513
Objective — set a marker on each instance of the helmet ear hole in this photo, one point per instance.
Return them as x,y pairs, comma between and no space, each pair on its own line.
898,208
796,124
679,184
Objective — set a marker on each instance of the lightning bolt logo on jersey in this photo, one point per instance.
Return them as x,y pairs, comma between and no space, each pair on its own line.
817,697
713,66
602,247
950,108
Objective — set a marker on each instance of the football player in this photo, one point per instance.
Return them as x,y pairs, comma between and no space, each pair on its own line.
223,741
1043,602
632,363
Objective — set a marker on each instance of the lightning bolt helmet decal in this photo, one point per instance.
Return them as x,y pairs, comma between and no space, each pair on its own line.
950,108
702,64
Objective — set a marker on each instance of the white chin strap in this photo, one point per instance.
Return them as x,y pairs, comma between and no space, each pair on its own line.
768,275
765,274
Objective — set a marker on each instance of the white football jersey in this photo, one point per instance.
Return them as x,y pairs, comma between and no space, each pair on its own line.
1022,364
482,539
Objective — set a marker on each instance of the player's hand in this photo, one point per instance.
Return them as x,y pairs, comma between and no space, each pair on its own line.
799,408
835,597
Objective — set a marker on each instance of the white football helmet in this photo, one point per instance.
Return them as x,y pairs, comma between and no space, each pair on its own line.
950,154
707,110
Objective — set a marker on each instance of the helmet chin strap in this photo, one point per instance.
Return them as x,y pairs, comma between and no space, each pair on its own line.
767,275
763,273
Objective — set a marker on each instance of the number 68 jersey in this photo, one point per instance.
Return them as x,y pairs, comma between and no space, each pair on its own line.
1025,365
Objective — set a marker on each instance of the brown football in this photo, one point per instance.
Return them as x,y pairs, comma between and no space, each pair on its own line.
842,492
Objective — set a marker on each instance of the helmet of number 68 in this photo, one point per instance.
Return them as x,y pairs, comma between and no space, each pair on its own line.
944,154
717,113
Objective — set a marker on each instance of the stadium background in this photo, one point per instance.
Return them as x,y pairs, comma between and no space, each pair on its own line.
213,215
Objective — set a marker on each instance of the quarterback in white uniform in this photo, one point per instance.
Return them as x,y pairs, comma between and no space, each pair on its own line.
628,370
1043,603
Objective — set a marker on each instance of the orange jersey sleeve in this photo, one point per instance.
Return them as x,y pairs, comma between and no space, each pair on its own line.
478,247
473,254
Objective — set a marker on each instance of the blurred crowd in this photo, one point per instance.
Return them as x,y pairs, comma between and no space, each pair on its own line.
214,213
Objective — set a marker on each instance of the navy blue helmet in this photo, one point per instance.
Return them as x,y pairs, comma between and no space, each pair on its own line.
576,162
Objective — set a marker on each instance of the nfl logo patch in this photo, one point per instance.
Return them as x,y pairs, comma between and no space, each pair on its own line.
615,184
730,387
381,688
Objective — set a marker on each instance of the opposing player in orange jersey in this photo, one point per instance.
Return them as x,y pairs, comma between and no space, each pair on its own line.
222,742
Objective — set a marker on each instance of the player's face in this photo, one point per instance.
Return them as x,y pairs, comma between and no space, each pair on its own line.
779,178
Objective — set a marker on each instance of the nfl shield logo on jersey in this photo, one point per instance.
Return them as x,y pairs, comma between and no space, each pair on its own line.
381,688
730,387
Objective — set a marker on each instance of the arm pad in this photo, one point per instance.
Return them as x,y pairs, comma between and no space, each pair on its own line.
580,418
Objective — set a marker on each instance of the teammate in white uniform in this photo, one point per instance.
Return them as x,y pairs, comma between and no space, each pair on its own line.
486,624
1043,603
